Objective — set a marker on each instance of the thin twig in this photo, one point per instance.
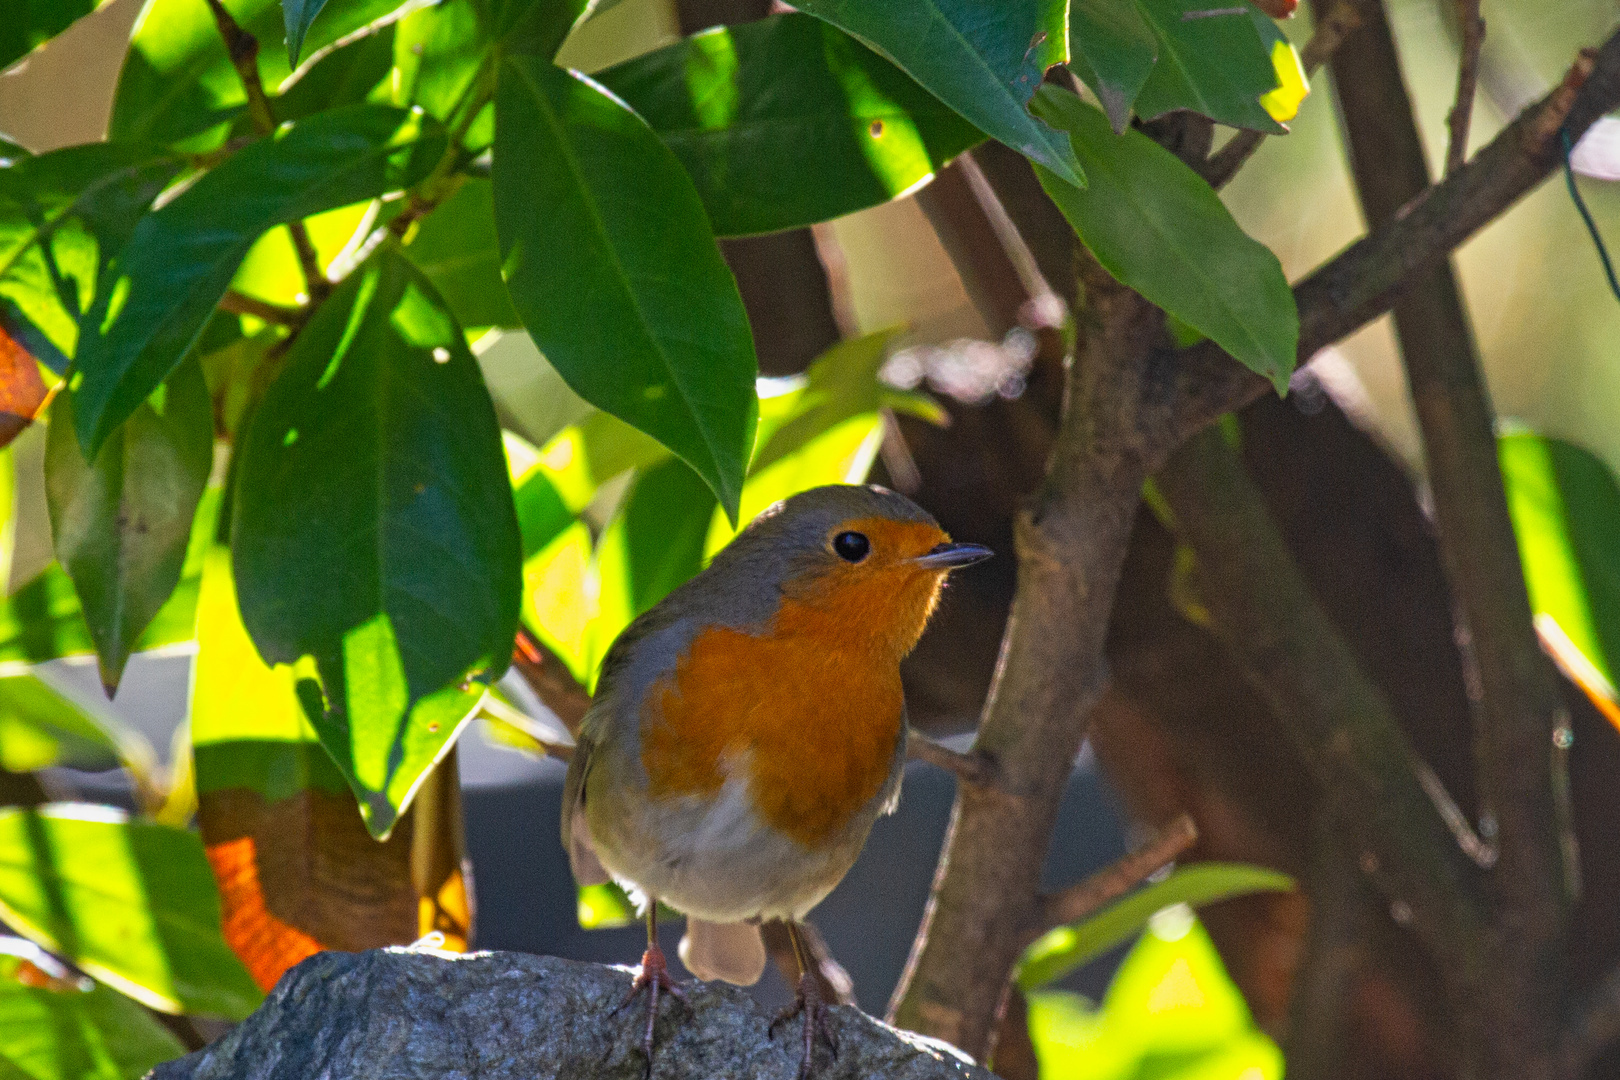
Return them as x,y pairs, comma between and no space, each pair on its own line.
242,304
243,49
1084,899
1222,165
974,767
1462,111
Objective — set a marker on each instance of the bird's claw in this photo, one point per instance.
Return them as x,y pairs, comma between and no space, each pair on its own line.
653,977
817,1020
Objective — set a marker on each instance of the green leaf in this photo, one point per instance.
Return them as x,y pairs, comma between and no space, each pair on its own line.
532,27
28,24
610,260
177,83
456,248
123,524
63,216
1060,951
42,620
130,903
69,1034
347,75
1113,49
984,61
789,121
1159,228
374,530
438,52
654,543
1565,506
158,294
298,15
1211,60
40,726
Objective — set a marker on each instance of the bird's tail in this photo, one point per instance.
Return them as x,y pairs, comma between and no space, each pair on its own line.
730,951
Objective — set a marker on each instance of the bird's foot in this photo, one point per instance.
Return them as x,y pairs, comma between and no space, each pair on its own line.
653,977
817,1021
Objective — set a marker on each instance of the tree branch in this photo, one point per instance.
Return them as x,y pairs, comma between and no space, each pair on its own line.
1341,723
550,680
1086,898
1593,1027
1362,282
1462,111
970,768
241,304
511,1016
1071,543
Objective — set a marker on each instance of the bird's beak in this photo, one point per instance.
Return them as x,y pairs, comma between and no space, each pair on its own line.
951,556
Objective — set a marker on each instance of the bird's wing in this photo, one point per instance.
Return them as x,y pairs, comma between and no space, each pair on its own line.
731,951
576,834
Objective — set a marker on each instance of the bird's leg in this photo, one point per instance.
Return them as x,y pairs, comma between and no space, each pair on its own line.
808,1003
654,977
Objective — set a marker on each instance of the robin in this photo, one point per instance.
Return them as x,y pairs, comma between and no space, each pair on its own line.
749,730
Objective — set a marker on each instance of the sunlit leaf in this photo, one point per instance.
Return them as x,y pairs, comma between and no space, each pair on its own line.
40,726
671,354
162,287
123,523
374,530
177,81
68,1034
1159,228
131,903
1060,951
983,61
789,121
438,52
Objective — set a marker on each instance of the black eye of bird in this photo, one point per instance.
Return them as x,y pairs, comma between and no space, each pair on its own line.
851,546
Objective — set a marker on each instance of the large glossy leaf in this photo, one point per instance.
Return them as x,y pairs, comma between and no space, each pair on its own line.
158,294
299,14
178,83
347,75
1566,513
131,903
374,529
30,23
1113,49
66,1033
610,260
456,247
122,524
1211,60
63,216
1060,951
983,60
1159,228
789,121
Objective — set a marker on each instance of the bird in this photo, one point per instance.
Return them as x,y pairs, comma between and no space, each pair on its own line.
749,729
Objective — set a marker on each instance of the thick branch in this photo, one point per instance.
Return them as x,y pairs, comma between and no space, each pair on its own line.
1340,722
397,1013
1071,544
1362,282
1085,899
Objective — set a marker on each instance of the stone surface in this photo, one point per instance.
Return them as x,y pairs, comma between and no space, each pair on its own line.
393,1014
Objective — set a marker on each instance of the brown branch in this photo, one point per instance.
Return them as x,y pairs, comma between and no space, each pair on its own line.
1593,1027
1319,1023
1084,899
243,49
242,304
550,680
1071,544
1462,111
1362,282
1331,29
1521,781
1340,722
975,767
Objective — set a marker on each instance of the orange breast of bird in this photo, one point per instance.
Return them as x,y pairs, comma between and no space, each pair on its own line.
811,707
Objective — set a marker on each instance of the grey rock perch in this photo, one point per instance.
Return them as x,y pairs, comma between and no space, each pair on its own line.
393,1014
